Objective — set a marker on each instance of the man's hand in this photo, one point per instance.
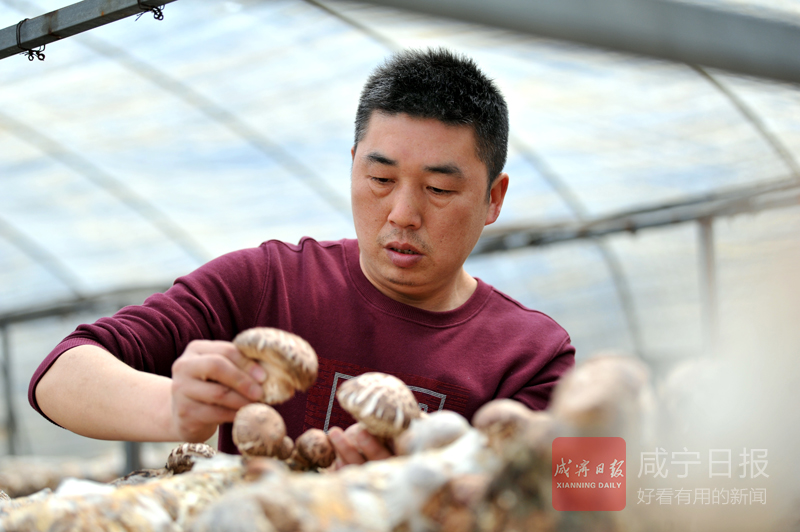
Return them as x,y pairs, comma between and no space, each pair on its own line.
211,380
355,446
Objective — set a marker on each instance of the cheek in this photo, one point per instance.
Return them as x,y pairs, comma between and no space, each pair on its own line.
366,211
461,229
360,196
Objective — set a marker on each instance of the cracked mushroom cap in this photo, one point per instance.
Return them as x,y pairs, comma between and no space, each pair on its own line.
258,430
382,403
181,458
289,361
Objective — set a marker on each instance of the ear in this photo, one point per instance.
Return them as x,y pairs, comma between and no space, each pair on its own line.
496,196
353,153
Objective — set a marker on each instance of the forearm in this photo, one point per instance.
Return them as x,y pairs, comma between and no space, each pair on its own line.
92,393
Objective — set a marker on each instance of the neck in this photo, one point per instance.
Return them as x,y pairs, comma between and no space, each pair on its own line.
439,299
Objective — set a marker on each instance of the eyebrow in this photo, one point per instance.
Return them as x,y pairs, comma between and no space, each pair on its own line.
377,157
446,169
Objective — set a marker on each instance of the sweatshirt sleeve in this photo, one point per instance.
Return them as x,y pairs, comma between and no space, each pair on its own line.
214,302
536,393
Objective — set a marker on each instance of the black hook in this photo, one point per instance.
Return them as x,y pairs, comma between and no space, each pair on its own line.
30,52
156,10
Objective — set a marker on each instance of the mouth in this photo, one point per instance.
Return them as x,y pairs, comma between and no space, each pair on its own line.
405,249
403,255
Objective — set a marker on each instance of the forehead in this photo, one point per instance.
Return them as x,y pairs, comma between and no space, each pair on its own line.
411,138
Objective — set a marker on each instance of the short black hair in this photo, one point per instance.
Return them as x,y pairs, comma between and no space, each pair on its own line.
439,84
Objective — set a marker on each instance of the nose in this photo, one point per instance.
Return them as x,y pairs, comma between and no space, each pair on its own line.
406,212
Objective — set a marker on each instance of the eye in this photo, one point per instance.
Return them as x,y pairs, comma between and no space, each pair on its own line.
379,180
440,191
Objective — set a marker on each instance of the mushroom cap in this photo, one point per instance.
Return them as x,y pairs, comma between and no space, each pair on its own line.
315,449
383,403
285,449
289,361
181,458
258,430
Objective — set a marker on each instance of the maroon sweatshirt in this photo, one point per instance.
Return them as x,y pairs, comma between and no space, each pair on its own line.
488,348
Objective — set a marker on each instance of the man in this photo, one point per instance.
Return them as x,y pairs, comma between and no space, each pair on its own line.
430,146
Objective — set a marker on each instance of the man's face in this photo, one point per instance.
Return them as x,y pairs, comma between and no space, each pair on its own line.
419,205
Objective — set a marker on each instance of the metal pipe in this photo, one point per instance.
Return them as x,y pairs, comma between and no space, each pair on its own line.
11,418
686,32
133,457
708,285
773,141
783,193
91,303
68,21
610,258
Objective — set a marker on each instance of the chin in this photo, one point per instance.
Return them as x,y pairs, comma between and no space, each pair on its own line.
400,282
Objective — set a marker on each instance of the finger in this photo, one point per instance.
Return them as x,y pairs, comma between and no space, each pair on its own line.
212,393
220,369
246,364
229,351
346,452
370,446
338,464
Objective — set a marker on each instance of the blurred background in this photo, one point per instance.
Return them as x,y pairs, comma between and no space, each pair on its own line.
653,206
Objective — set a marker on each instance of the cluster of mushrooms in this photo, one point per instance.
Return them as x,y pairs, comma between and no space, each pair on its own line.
447,476
383,404
259,430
